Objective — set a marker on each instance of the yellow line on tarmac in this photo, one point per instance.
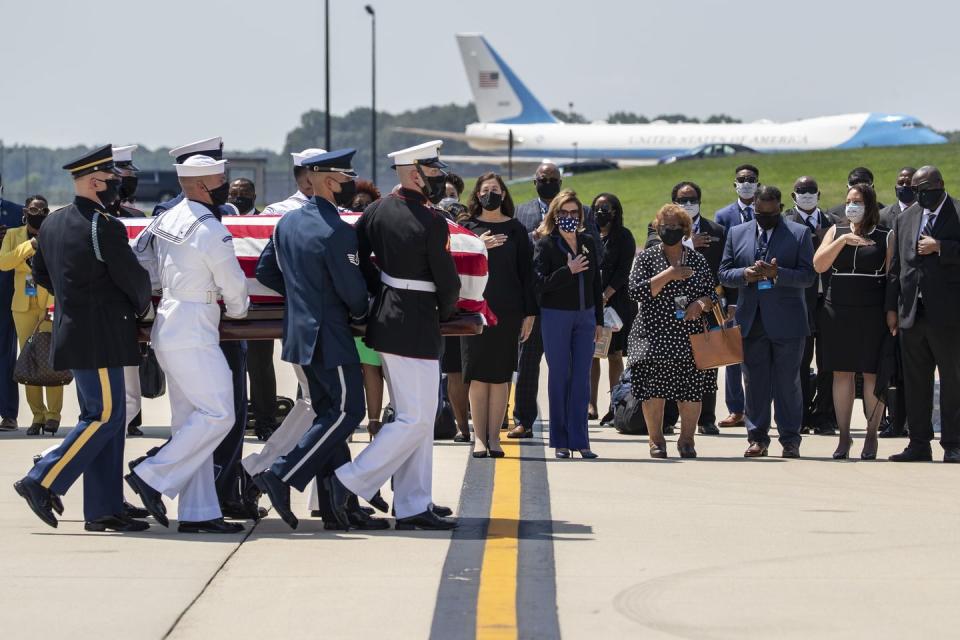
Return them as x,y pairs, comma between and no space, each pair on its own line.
497,599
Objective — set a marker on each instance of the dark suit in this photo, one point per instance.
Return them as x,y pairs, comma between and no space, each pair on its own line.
11,215
85,260
530,214
889,215
823,412
313,260
774,323
925,293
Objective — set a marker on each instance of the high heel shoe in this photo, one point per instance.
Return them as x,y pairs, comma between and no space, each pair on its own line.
480,454
869,449
563,454
842,453
35,429
586,454
496,453
686,450
51,427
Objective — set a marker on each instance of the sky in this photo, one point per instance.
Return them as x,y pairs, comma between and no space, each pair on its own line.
167,72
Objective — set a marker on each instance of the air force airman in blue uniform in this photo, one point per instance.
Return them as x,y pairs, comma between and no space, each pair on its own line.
312,259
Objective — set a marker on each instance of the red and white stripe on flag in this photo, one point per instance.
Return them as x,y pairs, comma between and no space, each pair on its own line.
251,233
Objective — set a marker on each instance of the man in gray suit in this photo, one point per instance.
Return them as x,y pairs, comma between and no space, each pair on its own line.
548,181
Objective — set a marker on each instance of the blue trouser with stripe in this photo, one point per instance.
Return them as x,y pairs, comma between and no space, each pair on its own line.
94,447
226,457
337,398
568,343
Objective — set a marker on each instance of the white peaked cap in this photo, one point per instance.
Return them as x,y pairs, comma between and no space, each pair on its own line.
195,166
298,158
426,153
214,145
124,154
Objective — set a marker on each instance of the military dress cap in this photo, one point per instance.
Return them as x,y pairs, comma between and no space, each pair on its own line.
298,158
196,166
123,157
97,160
210,147
426,154
337,161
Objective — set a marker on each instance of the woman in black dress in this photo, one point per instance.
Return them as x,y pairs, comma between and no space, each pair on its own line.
489,359
619,250
675,288
853,326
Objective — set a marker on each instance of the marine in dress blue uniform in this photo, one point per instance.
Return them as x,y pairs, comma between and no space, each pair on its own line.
85,260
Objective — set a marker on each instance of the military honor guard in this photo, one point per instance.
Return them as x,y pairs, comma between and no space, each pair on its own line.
84,258
416,286
190,256
304,190
312,258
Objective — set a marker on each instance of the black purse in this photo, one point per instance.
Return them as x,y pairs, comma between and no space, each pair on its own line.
33,364
153,382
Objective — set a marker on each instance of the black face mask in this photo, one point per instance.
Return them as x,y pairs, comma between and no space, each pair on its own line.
36,219
344,197
491,200
547,190
930,198
669,236
604,217
128,187
219,196
767,221
434,187
242,203
110,192
906,194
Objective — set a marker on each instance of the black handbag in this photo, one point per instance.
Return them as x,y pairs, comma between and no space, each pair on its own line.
33,364
153,382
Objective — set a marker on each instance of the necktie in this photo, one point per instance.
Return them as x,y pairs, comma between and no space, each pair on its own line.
809,222
928,228
747,213
762,242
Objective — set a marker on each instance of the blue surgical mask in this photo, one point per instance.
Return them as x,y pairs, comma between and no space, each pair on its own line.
854,211
567,224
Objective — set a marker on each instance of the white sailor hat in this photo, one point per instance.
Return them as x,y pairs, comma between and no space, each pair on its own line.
123,157
426,154
298,158
210,147
195,166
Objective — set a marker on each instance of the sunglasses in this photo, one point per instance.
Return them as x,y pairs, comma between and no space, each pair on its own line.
547,180
742,179
688,201
800,190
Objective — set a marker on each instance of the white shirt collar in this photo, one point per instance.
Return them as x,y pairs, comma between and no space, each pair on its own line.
805,216
743,205
903,205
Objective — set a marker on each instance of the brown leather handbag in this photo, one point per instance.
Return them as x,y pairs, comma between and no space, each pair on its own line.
33,364
718,348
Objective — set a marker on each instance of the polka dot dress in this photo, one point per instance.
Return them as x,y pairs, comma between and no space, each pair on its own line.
658,348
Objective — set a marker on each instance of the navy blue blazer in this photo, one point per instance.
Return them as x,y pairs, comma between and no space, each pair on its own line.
783,308
729,216
312,260
11,215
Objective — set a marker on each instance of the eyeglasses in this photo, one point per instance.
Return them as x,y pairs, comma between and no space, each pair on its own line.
742,179
570,213
688,201
35,211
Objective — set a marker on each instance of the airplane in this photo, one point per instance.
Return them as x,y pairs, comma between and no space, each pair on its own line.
511,118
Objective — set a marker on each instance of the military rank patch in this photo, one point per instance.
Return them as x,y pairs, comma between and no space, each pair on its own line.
354,259
228,238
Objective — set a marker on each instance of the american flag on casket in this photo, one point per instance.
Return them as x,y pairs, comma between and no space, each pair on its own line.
251,233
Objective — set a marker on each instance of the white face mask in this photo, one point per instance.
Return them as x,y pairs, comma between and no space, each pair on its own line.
692,209
806,201
745,189
854,211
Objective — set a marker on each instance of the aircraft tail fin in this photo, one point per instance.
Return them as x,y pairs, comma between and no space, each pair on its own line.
498,93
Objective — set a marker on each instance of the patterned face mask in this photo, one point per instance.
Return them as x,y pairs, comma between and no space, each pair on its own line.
568,224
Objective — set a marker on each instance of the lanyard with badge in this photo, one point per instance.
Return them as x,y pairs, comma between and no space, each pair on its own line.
680,303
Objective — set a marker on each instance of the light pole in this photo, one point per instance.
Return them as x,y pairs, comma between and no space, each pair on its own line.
373,92
326,59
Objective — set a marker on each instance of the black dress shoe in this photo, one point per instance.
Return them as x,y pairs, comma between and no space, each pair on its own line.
279,494
134,432
116,523
35,429
951,455
367,510
461,438
130,511
443,512
150,497
358,520
427,520
791,451
378,503
38,497
210,526
56,503
913,453
238,510
137,420
339,497
709,429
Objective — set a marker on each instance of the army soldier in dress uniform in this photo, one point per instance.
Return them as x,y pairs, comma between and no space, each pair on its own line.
234,501
304,189
84,259
190,256
416,286
312,258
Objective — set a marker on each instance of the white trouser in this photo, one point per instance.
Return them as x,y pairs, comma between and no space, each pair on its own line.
131,384
200,387
287,435
403,448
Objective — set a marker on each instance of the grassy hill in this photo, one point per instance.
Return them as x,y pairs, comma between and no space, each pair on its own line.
644,189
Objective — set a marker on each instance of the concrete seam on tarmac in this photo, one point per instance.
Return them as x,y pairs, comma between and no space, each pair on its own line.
206,585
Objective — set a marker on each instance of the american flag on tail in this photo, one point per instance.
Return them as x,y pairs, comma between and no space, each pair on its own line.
251,233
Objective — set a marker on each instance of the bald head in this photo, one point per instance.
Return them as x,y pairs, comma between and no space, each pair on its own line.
547,170
927,177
